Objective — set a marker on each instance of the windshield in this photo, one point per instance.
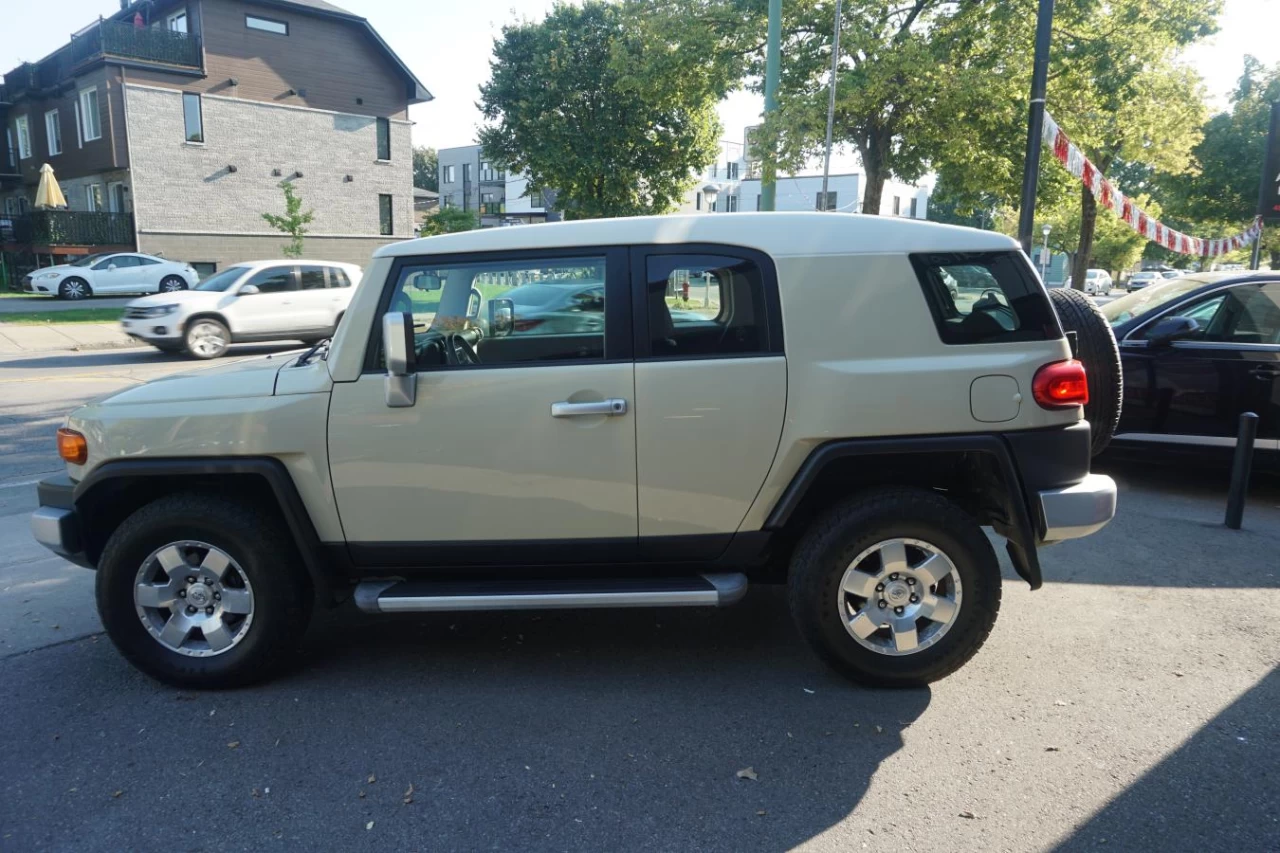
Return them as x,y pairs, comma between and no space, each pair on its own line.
222,280
90,260
1148,299
1093,274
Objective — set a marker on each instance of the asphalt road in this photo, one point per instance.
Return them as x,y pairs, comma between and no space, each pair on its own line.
1131,704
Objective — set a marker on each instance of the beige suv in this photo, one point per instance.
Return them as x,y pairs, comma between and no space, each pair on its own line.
646,412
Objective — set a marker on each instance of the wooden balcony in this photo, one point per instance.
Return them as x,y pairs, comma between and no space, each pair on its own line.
65,231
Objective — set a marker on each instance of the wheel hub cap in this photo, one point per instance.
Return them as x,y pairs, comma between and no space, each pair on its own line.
199,595
899,596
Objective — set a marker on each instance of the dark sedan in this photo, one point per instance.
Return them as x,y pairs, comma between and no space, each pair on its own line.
1197,352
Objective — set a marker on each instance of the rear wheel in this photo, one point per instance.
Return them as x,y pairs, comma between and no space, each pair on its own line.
202,591
1096,345
75,288
172,283
895,588
207,338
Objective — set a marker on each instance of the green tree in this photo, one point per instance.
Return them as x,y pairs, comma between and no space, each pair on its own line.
293,223
448,220
579,101
425,168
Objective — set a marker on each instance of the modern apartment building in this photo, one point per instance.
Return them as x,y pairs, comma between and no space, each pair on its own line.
469,181
171,124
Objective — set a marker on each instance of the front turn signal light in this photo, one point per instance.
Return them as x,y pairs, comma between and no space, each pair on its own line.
72,447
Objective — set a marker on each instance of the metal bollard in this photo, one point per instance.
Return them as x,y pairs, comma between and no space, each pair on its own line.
1240,465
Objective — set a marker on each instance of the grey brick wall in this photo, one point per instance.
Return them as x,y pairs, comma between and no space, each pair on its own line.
183,191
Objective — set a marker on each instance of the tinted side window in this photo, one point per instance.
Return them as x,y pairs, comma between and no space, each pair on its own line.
273,280
1247,314
985,297
311,278
138,260
705,306
338,278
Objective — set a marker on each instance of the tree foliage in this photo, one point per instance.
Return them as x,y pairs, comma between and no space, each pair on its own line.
595,107
426,168
448,220
293,223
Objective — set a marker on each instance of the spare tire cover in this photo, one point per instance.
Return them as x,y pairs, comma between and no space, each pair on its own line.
1097,350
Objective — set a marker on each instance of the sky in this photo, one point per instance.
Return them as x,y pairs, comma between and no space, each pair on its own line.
448,45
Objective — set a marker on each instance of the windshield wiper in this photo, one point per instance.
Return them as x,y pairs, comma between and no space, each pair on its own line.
315,349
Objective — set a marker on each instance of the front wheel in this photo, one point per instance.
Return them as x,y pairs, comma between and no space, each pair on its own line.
895,587
203,591
172,284
75,288
207,338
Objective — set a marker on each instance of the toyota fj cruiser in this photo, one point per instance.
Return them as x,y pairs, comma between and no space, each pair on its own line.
640,412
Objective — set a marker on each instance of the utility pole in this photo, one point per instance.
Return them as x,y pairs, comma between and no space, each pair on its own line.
1269,189
769,172
1035,126
831,104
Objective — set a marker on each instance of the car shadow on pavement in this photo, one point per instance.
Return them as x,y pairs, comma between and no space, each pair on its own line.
589,730
1219,791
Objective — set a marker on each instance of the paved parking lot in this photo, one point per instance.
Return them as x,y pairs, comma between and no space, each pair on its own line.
1133,703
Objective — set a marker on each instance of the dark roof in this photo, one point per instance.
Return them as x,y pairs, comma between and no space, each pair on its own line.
417,92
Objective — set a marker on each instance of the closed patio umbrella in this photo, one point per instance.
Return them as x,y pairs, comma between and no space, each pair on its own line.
49,194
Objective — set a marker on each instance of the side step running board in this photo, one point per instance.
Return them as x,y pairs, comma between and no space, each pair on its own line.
391,596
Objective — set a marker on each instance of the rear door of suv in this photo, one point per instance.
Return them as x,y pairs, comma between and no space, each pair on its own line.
711,392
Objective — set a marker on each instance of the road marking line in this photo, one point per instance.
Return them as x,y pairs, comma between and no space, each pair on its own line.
31,482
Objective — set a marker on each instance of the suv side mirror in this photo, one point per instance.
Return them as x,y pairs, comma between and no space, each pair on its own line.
398,349
474,302
502,317
1170,329
249,290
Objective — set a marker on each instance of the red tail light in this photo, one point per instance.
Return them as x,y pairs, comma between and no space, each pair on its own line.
1061,385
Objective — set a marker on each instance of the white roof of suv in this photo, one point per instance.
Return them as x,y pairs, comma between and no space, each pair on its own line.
778,234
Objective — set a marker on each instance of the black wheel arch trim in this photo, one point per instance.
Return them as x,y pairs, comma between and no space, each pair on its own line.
1021,534
273,471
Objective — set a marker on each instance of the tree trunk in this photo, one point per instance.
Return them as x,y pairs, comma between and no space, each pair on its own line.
1088,219
874,153
1275,259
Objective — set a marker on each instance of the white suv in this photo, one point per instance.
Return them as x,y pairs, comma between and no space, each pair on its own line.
257,301
646,412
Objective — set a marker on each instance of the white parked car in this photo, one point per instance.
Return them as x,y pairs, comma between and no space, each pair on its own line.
1139,280
255,301
1097,282
111,272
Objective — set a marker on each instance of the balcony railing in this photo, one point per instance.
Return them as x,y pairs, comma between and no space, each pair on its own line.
113,39
67,228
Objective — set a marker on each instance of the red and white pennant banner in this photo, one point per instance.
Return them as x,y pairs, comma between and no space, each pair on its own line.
1109,195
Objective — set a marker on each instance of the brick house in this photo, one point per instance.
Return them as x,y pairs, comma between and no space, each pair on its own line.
171,123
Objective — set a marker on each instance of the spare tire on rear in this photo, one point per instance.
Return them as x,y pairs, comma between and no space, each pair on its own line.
1097,351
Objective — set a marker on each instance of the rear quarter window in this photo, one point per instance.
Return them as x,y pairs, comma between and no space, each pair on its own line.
985,297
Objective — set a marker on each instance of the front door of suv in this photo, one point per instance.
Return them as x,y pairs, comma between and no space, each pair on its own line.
268,311
527,455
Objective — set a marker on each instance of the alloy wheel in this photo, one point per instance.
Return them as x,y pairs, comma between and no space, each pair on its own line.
172,284
193,598
899,596
74,289
207,339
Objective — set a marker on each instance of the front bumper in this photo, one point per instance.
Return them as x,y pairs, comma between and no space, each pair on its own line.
55,525
1077,510
166,328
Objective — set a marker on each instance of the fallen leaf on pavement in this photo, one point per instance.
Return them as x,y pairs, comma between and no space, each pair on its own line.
968,815
372,778
879,730
1052,749
748,773
360,795
233,744
255,792
408,795
761,812
807,690
1060,703
1177,673
117,794
368,826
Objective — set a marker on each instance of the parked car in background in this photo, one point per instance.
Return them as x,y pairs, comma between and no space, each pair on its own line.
111,272
1097,282
1139,280
257,301
1197,351
1172,273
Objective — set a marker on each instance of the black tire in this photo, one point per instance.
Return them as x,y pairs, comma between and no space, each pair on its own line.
837,537
195,349
172,284
74,288
1101,359
168,348
256,540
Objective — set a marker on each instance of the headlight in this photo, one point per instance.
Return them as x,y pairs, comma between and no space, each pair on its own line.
163,310
49,275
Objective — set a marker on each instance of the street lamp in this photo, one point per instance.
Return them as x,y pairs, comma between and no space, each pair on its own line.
710,193
1044,253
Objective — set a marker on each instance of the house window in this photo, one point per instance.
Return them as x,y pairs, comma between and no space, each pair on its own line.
697,202
177,22
93,197
914,207
385,221
715,170
536,200
466,172
731,204
384,138
266,25
116,202
90,120
23,129
757,202
897,206
486,171
204,269
830,202
53,132
193,117
448,175
733,171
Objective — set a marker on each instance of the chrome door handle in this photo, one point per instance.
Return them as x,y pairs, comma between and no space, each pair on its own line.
614,406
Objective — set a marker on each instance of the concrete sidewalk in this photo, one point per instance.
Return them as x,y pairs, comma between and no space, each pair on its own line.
16,339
